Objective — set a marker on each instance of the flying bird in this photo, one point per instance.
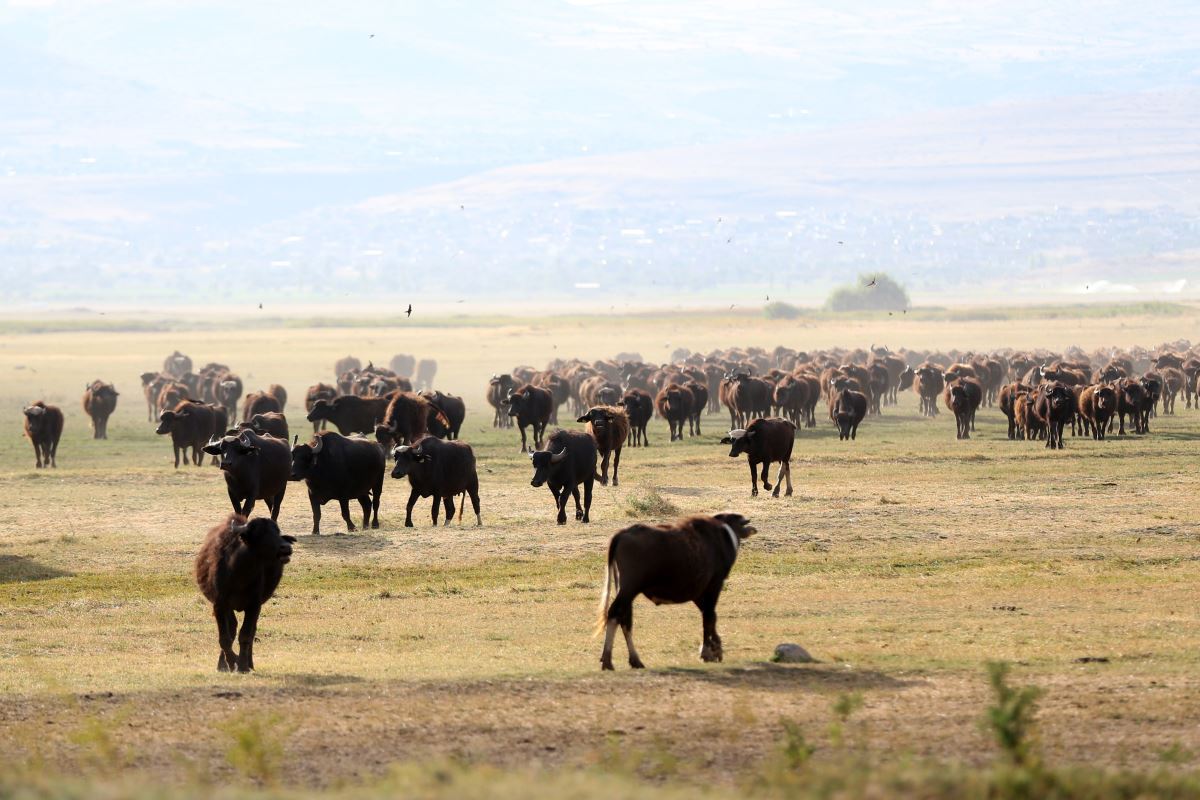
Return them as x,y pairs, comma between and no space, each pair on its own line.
840,242
260,305
869,285
730,239
768,298
731,306
409,312
372,36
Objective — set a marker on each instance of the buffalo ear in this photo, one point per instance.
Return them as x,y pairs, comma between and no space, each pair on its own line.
424,457
287,537
727,440
584,418
751,434
213,448
242,530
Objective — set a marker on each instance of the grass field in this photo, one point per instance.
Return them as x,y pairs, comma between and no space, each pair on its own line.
459,661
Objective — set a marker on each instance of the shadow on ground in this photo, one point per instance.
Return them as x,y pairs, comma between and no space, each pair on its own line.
18,569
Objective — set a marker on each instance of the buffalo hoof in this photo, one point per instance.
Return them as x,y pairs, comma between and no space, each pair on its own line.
636,663
562,519
578,515
586,519
767,485
222,664
375,524
615,481
788,493
776,492
606,665
446,524
350,527
754,493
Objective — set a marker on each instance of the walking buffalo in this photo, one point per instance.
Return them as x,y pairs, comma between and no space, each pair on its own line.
336,467
531,406
238,569
765,441
609,427
44,426
351,414
441,470
568,460
318,391
191,424
99,402
255,467
687,562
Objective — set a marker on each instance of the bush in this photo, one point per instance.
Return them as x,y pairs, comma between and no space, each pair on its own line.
885,295
647,502
778,310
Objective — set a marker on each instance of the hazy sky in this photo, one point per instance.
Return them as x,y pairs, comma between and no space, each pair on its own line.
587,71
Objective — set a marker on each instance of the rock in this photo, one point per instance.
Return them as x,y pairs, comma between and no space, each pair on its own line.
792,654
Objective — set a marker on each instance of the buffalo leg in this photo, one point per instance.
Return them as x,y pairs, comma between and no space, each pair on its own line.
616,465
344,502
787,473
176,449
587,499
364,503
245,661
226,629
610,630
560,503
473,491
578,506
316,514
412,501
436,509
710,649
248,507
276,502
448,500
524,447
766,483
37,454
779,477
604,469
753,479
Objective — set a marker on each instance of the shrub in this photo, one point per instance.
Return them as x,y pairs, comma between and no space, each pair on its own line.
647,502
885,295
779,310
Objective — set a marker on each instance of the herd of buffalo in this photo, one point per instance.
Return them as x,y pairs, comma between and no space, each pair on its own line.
769,396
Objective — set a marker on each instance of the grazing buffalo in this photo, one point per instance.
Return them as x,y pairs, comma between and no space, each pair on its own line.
152,383
1055,407
499,387
531,406
687,562
962,397
99,402
928,383
227,392
403,365
177,365
447,413
341,468
351,414
440,470
1131,397
1008,404
256,468
674,404
319,391
44,426
765,441
347,364
405,420
426,371
609,426
272,423
237,569
568,460
190,425
847,407
279,393
1097,404
259,403
639,408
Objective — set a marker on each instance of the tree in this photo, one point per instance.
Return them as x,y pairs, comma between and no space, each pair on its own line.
875,291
